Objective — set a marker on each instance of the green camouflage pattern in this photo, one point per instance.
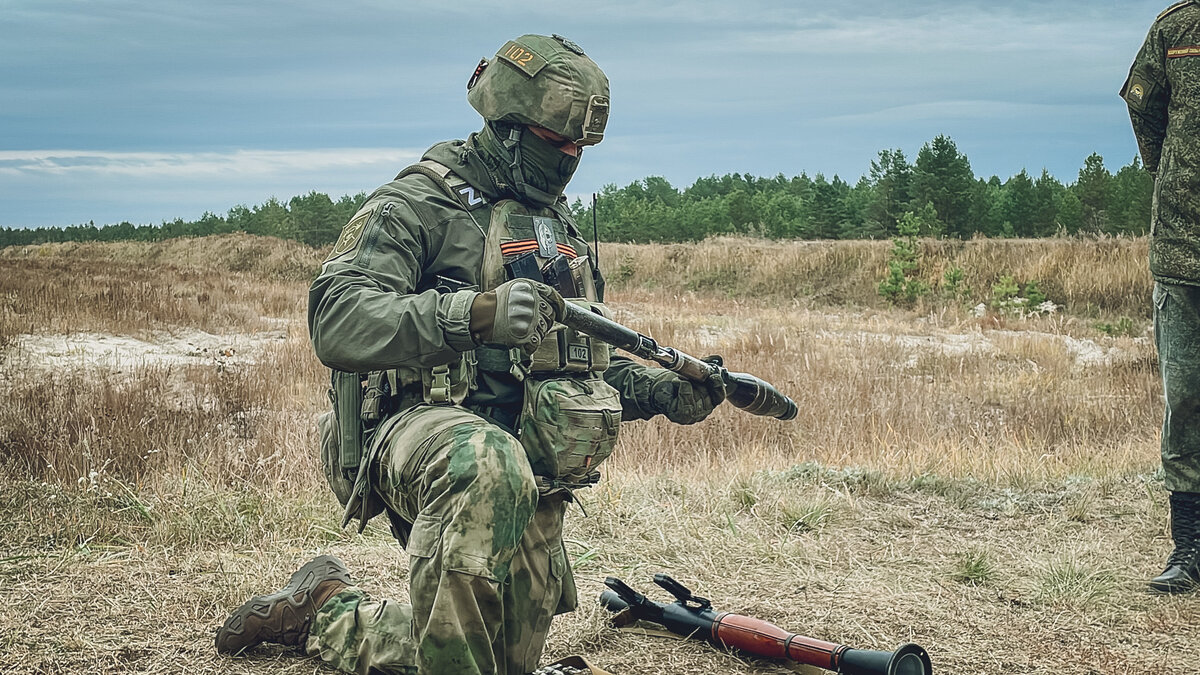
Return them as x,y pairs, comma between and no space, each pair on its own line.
1177,336
356,634
487,564
547,82
569,426
1162,93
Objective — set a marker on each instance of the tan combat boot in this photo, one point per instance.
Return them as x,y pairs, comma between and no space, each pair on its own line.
284,616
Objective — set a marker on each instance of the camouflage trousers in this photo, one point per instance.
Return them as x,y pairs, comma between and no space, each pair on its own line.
1177,336
487,568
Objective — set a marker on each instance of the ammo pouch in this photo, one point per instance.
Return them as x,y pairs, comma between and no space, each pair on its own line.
568,427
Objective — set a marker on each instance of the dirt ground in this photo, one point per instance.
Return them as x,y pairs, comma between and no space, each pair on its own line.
1044,580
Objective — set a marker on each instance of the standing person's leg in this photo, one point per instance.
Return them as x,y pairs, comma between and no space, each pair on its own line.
1177,336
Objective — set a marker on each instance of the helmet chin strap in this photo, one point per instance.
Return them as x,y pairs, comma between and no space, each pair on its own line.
510,143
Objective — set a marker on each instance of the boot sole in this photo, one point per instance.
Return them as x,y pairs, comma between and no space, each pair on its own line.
326,567
1169,588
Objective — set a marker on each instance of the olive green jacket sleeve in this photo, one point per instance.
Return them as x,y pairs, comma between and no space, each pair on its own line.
375,304
634,382
1147,93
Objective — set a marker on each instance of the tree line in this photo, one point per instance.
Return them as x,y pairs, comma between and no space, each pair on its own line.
313,219
938,191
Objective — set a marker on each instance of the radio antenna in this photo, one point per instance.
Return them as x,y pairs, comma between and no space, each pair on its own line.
595,233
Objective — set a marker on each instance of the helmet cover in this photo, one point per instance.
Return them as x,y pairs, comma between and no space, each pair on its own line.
544,81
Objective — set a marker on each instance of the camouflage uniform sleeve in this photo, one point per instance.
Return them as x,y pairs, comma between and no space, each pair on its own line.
1147,92
364,311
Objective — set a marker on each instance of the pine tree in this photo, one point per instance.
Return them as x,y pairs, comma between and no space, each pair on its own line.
942,176
1094,189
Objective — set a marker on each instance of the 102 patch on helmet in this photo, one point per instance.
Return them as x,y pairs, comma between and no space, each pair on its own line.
525,59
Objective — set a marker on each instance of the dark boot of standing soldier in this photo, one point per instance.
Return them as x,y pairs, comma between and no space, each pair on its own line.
1183,566
284,616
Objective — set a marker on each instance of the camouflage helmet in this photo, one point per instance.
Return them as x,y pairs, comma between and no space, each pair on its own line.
544,81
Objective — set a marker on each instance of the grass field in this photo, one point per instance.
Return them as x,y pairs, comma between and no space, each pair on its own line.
984,485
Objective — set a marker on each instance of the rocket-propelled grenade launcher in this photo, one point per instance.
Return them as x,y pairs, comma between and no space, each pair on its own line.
743,390
693,616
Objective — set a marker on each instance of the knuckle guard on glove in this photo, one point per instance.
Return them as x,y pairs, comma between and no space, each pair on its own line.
518,313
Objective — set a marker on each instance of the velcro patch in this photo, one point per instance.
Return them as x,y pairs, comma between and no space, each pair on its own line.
351,234
1180,52
469,196
1136,91
525,59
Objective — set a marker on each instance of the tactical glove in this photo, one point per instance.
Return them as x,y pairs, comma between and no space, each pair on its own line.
684,401
517,313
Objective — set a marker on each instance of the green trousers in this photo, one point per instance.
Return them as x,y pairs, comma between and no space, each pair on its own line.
487,568
1177,336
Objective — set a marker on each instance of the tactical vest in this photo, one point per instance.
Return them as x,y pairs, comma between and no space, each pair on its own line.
537,236
570,416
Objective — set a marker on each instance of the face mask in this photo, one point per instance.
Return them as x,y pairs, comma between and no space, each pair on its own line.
542,172
544,166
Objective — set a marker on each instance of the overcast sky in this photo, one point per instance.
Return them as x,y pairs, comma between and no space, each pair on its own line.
148,110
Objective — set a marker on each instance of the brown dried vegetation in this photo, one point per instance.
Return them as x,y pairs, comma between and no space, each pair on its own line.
985,487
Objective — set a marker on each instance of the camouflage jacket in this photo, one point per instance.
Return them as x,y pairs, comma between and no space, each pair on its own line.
1163,96
396,290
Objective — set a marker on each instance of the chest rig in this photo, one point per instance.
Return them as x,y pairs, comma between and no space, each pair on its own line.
541,244
567,416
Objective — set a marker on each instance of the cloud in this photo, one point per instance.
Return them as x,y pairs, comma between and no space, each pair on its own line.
257,163
61,187
152,96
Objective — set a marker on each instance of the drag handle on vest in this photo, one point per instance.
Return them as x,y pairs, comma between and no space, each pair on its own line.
693,616
743,390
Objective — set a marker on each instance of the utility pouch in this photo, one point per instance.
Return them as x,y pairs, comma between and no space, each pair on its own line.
377,398
566,350
569,426
347,395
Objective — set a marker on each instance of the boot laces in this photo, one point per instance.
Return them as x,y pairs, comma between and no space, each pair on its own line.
1185,529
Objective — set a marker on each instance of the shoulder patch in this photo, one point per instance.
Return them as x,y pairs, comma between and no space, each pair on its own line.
1137,91
470,197
351,234
451,183
1177,6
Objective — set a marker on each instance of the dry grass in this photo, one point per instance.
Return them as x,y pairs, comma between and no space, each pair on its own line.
984,487
1091,277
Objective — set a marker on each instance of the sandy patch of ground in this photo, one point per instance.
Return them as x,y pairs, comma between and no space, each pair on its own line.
119,352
